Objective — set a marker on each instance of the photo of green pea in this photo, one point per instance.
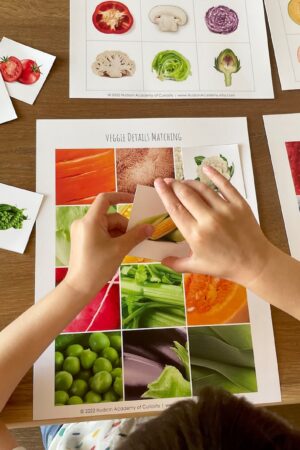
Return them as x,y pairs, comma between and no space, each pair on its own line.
88,368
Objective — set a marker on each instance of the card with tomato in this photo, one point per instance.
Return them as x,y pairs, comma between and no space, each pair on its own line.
24,69
7,111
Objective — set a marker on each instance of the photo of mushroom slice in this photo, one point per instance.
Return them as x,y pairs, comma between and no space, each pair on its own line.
168,17
113,64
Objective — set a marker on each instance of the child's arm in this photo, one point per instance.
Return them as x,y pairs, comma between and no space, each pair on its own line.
98,245
227,242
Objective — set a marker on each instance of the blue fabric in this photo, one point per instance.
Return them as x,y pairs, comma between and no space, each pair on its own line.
48,433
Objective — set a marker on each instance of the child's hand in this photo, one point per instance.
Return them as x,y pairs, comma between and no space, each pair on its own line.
99,243
223,235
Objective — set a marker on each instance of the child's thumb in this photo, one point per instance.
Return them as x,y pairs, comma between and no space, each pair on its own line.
135,236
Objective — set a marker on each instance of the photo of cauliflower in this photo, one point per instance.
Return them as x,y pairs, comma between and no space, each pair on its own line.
218,162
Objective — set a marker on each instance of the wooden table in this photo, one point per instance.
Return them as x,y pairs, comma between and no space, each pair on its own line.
45,25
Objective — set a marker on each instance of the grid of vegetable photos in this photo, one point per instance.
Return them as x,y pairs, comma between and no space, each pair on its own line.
150,335
173,49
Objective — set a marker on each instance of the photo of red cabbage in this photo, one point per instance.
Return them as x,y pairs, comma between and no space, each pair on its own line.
102,313
221,20
141,166
156,364
293,151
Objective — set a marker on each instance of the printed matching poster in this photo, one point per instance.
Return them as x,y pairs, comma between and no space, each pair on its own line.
284,21
173,49
283,132
150,336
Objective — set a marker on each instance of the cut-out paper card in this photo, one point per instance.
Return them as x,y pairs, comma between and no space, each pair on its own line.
18,212
24,69
7,111
224,158
166,239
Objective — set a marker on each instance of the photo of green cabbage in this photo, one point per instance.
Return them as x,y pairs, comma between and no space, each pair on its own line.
222,356
171,65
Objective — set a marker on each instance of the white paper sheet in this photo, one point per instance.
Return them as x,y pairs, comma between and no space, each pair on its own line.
27,92
7,111
283,129
194,40
286,41
136,134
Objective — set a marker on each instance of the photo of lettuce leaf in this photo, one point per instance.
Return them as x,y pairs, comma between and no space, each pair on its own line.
65,216
170,383
222,356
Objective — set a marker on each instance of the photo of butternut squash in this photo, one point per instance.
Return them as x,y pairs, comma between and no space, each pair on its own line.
83,174
213,301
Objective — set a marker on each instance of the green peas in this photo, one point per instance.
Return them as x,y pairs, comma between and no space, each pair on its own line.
88,368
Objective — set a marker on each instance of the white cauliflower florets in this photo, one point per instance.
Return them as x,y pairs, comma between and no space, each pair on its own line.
217,163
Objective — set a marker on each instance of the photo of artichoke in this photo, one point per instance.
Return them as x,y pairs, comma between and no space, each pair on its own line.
228,63
164,228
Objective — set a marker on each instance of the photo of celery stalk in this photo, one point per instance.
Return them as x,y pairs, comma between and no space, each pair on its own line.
152,296
164,228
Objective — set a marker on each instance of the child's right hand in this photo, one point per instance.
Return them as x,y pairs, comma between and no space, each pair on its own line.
224,237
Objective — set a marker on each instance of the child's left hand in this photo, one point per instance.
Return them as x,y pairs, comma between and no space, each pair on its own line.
99,243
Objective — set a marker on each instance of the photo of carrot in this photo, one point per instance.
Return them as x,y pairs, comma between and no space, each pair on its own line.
214,301
82,174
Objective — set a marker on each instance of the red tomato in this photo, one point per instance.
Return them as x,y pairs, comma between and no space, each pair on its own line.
11,68
31,72
112,18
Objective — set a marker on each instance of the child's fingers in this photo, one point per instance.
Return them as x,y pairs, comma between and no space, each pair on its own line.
191,200
180,265
225,187
134,237
104,201
181,217
117,222
209,195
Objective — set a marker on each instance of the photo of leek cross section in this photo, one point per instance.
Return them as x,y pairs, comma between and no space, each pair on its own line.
147,315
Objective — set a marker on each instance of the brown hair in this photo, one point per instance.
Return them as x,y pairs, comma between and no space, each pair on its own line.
216,421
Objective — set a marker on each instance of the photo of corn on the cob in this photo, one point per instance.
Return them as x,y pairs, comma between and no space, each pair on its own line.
164,228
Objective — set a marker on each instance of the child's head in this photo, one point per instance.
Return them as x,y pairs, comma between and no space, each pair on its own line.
217,421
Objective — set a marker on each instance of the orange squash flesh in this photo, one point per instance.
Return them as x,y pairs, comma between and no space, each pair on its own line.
211,300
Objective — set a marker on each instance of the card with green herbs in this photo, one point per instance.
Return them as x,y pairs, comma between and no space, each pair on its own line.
18,212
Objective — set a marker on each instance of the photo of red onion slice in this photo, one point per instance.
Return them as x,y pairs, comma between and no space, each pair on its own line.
221,20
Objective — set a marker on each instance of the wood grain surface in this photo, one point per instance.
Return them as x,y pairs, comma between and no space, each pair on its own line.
45,25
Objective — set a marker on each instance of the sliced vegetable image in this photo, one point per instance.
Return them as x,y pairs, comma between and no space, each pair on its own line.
213,301
112,17
152,296
168,17
218,162
82,174
11,68
227,63
222,357
156,364
293,151
113,64
171,65
11,217
294,11
65,216
142,166
103,311
221,20
88,368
